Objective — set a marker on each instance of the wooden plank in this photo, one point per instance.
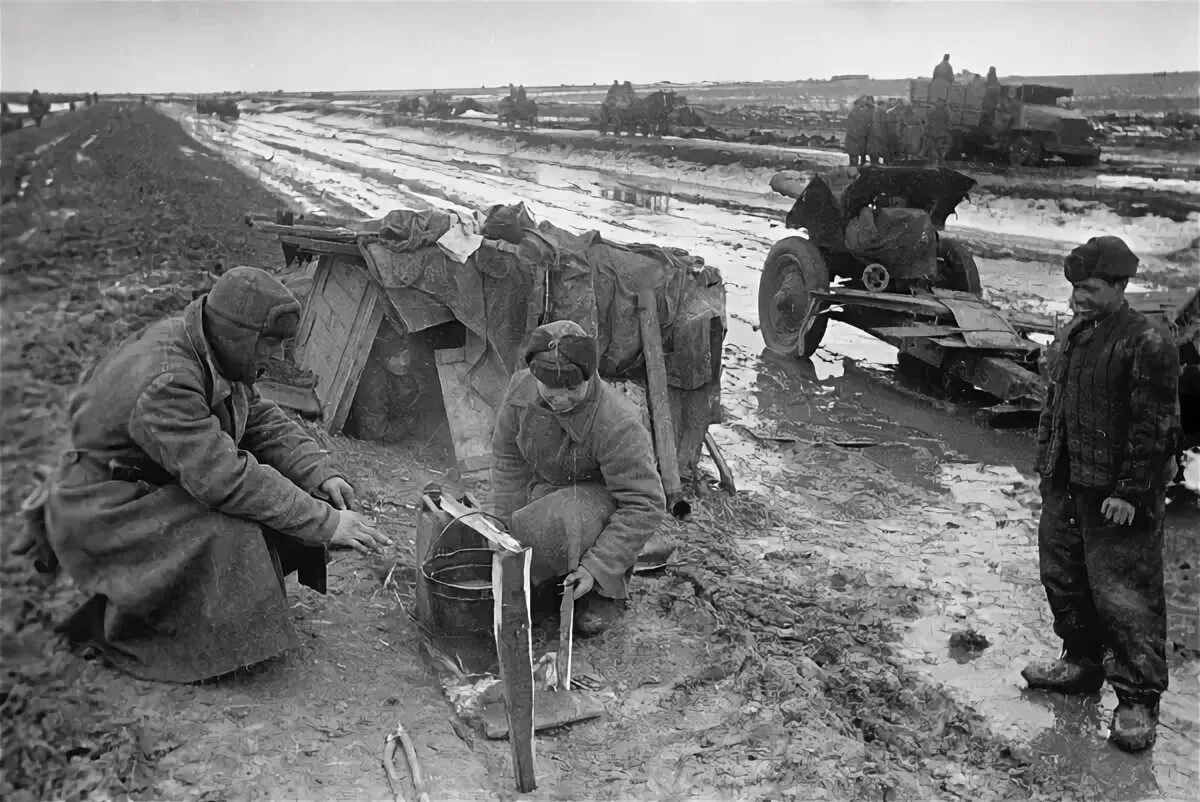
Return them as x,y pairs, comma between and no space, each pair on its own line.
310,245
354,355
514,646
311,312
340,320
552,709
326,233
469,417
660,402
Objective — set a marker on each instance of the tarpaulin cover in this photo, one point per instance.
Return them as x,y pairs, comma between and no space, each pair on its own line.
525,274
902,240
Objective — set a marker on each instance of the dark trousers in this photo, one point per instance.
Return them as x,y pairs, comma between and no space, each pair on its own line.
1105,585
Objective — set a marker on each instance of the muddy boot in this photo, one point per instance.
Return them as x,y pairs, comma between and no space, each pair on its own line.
595,614
1134,725
1072,673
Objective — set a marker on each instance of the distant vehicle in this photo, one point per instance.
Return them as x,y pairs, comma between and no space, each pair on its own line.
513,112
653,114
1027,125
224,108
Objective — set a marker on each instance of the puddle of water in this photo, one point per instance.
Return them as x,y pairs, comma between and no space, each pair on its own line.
640,198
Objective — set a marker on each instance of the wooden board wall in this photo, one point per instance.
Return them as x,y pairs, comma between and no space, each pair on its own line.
340,321
469,418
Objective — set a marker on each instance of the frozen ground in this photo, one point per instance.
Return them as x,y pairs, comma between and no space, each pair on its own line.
968,542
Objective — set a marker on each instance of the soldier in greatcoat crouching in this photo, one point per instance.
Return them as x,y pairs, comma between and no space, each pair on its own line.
575,474
184,498
1106,445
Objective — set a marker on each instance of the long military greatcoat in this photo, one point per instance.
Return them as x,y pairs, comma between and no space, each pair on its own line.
588,475
183,501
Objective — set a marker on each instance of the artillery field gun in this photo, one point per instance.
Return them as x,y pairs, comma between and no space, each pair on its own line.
907,284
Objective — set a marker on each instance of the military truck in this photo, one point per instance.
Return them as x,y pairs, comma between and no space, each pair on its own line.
1023,122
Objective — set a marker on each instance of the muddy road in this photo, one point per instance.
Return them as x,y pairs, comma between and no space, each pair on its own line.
799,648
970,544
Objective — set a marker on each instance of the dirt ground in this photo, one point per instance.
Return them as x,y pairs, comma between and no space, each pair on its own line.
753,667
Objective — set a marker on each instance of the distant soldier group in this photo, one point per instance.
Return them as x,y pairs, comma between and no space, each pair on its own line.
620,96
895,133
901,132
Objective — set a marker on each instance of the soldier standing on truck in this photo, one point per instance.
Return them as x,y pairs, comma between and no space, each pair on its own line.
613,91
1106,445
943,71
937,133
991,99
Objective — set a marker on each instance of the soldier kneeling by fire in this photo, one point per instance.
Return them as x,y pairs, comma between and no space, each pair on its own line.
575,475
184,498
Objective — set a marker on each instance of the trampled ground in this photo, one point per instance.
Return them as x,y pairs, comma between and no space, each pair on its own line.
787,654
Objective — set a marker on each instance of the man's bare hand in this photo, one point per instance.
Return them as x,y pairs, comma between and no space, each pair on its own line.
356,532
338,492
581,580
1117,511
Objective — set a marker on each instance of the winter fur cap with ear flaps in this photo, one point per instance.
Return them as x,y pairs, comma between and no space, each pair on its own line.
245,305
561,354
1105,257
251,299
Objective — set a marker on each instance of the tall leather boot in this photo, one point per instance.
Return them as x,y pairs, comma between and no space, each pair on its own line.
1073,672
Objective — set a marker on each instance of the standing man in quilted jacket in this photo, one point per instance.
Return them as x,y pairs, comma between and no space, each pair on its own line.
184,498
1106,443
574,474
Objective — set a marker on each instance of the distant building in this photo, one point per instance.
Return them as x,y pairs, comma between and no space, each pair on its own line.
855,77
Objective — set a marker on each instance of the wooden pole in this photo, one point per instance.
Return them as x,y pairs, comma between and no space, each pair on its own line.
660,403
514,645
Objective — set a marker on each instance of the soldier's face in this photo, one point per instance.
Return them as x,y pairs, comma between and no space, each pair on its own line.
1095,297
563,399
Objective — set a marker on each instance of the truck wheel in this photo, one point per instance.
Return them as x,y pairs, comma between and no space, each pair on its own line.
794,268
959,271
1025,152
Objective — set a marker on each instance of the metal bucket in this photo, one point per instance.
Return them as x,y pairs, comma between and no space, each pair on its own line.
460,592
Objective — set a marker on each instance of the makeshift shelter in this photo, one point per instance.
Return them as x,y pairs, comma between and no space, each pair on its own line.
478,287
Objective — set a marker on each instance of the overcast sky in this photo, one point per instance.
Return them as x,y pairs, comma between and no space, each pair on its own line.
209,45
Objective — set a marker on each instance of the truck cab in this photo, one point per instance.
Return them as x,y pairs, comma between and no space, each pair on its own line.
1024,122
1033,125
